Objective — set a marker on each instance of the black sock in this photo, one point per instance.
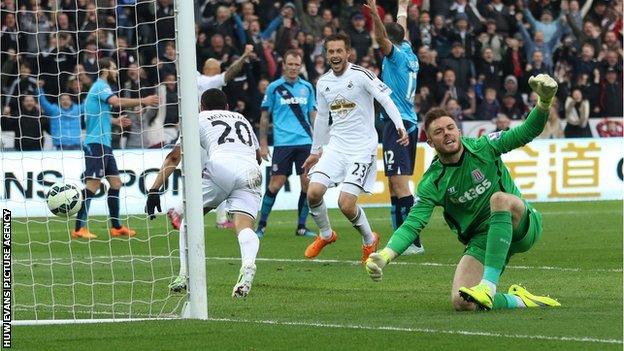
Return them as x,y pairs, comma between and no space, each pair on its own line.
302,210
113,207
393,212
404,205
81,217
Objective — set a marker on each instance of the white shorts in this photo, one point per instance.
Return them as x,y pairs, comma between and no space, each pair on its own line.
236,183
357,173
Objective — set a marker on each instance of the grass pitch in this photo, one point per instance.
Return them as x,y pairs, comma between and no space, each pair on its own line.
327,304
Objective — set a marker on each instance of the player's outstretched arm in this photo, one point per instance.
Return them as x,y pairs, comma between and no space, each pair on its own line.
402,16
381,93
237,66
545,87
264,140
169,165
402,238
380,31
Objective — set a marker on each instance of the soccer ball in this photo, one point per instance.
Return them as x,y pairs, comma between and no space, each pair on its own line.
64,200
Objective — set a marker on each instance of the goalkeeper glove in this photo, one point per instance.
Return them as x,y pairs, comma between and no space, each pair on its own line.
153,202
545,87
376,262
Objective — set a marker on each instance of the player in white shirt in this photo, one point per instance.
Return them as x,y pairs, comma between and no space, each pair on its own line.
212,78
231,174
344,145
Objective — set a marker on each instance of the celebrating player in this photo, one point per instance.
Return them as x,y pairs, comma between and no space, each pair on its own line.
231,174
212,78
99,159
290,101
344,132
399,70
481,204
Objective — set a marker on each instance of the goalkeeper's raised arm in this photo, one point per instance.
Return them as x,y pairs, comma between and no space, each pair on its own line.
545,87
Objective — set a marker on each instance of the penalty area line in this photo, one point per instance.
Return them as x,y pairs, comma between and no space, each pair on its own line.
420,330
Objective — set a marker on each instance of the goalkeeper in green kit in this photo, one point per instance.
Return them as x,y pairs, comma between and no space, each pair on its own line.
482,205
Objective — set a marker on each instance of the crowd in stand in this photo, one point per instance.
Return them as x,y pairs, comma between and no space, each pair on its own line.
475,58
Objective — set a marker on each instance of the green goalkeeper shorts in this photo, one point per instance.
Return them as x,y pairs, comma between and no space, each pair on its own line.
524,236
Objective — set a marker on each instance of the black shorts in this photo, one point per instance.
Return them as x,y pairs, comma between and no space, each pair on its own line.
285,156
99,161
399,160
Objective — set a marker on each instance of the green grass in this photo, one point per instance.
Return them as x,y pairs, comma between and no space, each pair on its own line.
321,305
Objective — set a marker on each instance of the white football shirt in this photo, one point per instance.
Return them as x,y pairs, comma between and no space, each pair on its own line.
346,102
227,135
209,82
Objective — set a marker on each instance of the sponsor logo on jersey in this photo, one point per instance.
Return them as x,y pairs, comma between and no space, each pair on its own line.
341,107
350,85
294,101
477,176
327,89
495,135
472,193
451,190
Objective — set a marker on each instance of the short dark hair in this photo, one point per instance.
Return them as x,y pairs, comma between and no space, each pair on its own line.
339,36
395,31
213,99
434,114
104,63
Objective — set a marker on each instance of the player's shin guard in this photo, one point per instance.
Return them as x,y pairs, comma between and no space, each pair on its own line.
81,217
183,251
360,222
321,218
302,210
498,242
249,245
113,207
267,204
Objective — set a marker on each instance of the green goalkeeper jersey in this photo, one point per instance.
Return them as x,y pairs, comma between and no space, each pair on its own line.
464,189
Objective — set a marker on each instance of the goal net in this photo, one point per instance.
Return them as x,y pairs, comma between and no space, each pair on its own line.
52,54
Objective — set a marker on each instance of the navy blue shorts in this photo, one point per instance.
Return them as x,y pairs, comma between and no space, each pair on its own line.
399,160
285,156
99,161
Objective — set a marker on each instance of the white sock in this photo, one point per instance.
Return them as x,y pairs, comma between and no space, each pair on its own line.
490,285
221,213
249,245
183,251
361,224
321,218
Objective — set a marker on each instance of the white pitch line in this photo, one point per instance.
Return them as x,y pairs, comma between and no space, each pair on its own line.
322,261
145,317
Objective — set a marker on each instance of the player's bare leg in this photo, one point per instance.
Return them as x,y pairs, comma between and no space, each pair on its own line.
468,273
354,213
319,214
180,282
112,200
249,245
276,182
402,201
91,187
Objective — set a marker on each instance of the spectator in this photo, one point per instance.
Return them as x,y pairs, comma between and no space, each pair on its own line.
311,22
64,121
360,37
463,35
25,84
165,24
546,24
440,37
577,116
610,104
463,67
58,63
28,125
89,61
447,90
500,13
511,108
539,42
490,69
428,74
502,123
553,129
288,31
8,35
492,40
514,61
34,26
489,107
